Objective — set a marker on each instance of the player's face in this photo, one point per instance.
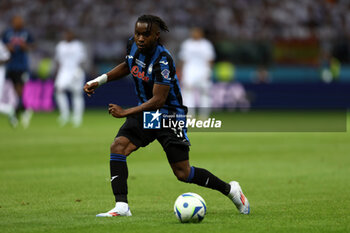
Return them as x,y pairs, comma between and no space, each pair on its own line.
197,33
68,36
145,39
17,23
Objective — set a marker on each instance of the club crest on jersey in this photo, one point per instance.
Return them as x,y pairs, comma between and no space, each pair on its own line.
150,68
165,73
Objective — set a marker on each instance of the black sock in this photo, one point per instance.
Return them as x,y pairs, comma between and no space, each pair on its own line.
119,176
204,178
20,107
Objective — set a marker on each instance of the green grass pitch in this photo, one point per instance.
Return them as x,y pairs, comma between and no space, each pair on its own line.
56,179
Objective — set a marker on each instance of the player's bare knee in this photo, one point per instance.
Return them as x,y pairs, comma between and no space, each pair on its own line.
123,146
130,148
119,147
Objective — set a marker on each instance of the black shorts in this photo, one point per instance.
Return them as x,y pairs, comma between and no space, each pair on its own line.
140,137
17,77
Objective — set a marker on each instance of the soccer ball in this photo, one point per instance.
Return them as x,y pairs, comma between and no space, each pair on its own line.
190,207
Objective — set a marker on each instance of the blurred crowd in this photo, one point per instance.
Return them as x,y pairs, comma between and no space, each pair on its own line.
105,25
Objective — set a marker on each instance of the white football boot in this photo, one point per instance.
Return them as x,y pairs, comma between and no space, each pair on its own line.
237,197
26,117
120,209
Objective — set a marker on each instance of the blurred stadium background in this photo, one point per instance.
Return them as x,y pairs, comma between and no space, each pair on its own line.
275,48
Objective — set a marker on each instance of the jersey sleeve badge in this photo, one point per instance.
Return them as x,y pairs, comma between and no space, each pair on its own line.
165,73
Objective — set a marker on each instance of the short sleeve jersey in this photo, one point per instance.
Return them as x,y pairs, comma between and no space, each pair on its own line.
19,57
155,67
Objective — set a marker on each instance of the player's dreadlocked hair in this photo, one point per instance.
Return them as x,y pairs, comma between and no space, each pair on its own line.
151,19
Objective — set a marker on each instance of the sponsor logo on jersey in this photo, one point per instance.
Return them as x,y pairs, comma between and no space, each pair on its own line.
129,57
165,73
135,71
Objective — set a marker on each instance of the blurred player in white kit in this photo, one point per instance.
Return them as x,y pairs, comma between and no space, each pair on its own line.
5,108
70,56
197,55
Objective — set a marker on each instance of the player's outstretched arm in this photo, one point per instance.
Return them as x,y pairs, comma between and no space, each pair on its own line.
116,73
160,94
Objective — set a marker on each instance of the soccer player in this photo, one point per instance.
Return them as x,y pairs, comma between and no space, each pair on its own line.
197,52
70,55
5,108
19,41
153,71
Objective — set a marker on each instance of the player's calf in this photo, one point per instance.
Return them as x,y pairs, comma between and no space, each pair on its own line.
181,170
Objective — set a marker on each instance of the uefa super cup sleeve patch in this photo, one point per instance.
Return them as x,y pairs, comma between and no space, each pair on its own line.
165,73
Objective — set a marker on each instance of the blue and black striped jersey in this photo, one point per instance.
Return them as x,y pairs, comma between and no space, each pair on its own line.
156,67
19,60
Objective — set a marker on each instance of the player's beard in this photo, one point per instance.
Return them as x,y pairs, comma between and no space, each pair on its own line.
148,49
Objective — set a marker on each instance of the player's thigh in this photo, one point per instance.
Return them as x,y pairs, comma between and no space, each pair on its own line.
77,85
122,145
2,81
77,92
63,80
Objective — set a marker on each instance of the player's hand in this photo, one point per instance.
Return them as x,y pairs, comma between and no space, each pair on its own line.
11,47
116,111
23,45
90,89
